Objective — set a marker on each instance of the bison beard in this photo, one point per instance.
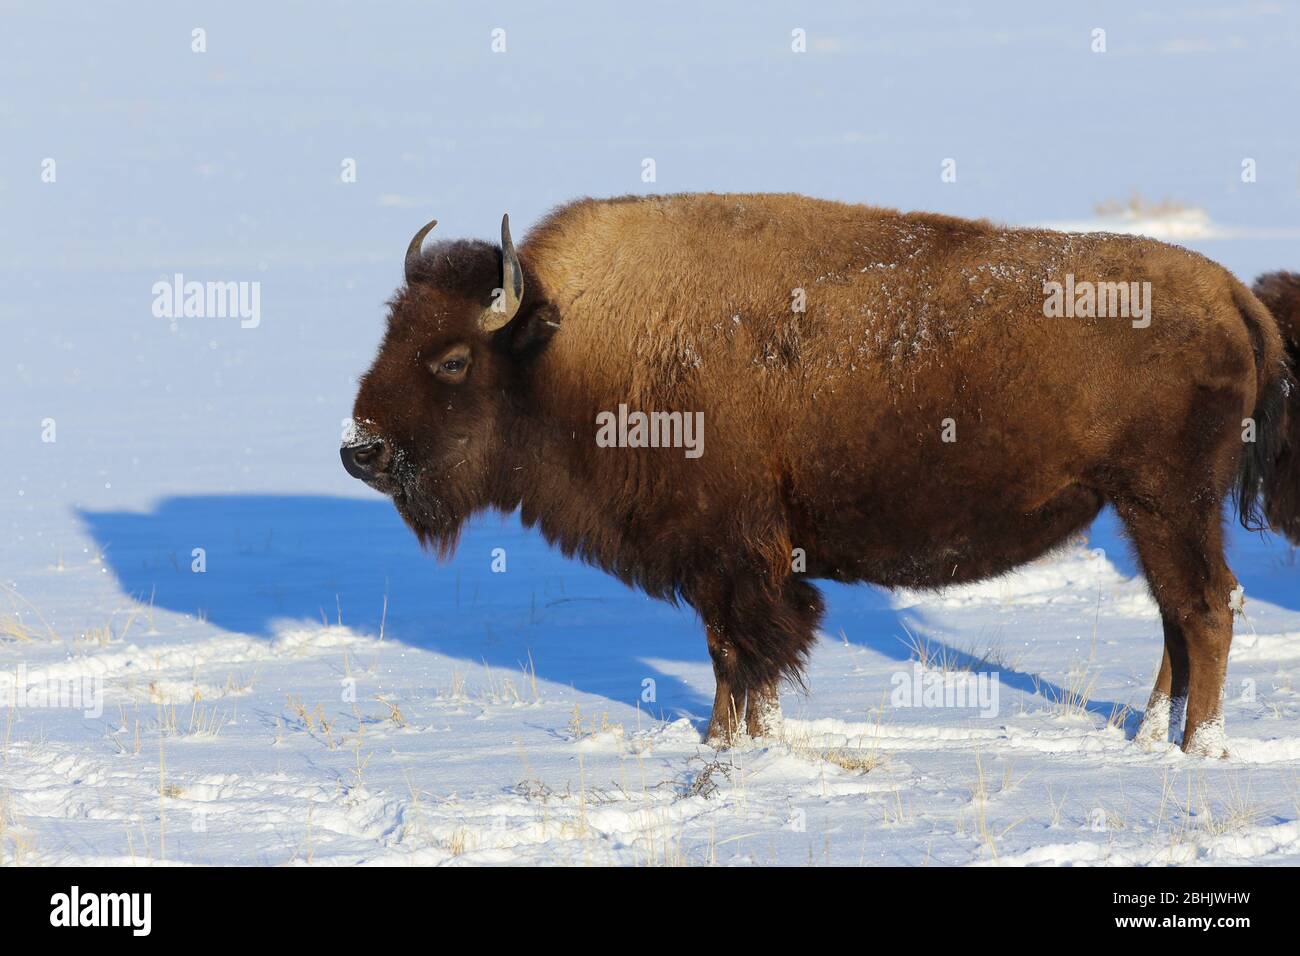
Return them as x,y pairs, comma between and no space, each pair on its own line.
886,402
436,526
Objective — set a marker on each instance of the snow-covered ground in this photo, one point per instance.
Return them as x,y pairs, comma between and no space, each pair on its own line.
323,692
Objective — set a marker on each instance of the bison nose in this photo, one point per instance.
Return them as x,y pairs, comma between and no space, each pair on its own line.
365,461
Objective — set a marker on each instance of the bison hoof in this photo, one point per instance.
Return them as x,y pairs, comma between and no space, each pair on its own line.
721,736
1162,723
724,741
763,718
1207,740
1155,728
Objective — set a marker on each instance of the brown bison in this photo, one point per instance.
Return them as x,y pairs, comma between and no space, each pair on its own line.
900,399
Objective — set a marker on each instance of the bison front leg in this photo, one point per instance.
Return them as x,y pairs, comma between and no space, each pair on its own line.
757,639
759,705
763,711
728,697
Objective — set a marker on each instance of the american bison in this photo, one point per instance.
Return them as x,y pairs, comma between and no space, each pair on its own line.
900,399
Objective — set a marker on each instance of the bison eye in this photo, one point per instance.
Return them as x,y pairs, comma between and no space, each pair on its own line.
451,365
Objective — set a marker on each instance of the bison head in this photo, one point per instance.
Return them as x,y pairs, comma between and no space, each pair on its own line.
432,417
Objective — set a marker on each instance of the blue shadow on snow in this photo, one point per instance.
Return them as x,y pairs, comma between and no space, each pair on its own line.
276,559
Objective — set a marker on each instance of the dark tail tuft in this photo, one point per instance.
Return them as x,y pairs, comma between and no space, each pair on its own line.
1268,484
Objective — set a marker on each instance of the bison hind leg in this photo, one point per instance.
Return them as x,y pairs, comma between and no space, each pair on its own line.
1162,721
1182,557
758,638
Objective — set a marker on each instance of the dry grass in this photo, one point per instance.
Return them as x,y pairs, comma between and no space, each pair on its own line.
1213,804
1136,205
851,759
854,761
984,831
581,727
498,688
12,625
358,768
394,712
202,721
979,799
1119,717
1073,697
110,632
127,724
705,783
1056,807
16,846
662,843
306,849
314,722
897,811
1230,811
988,654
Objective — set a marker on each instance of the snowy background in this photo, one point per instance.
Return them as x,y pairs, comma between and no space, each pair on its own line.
326,693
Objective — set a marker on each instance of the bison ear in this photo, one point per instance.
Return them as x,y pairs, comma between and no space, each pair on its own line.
534,329
505,306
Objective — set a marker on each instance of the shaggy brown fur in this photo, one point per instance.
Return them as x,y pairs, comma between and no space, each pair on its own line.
1280,292
825,428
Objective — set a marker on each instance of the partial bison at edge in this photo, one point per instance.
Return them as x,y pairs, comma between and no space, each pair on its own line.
891,398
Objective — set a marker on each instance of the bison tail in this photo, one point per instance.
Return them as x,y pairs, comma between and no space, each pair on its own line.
1268,484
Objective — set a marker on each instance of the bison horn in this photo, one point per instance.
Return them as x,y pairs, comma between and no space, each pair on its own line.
503,309
413,250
